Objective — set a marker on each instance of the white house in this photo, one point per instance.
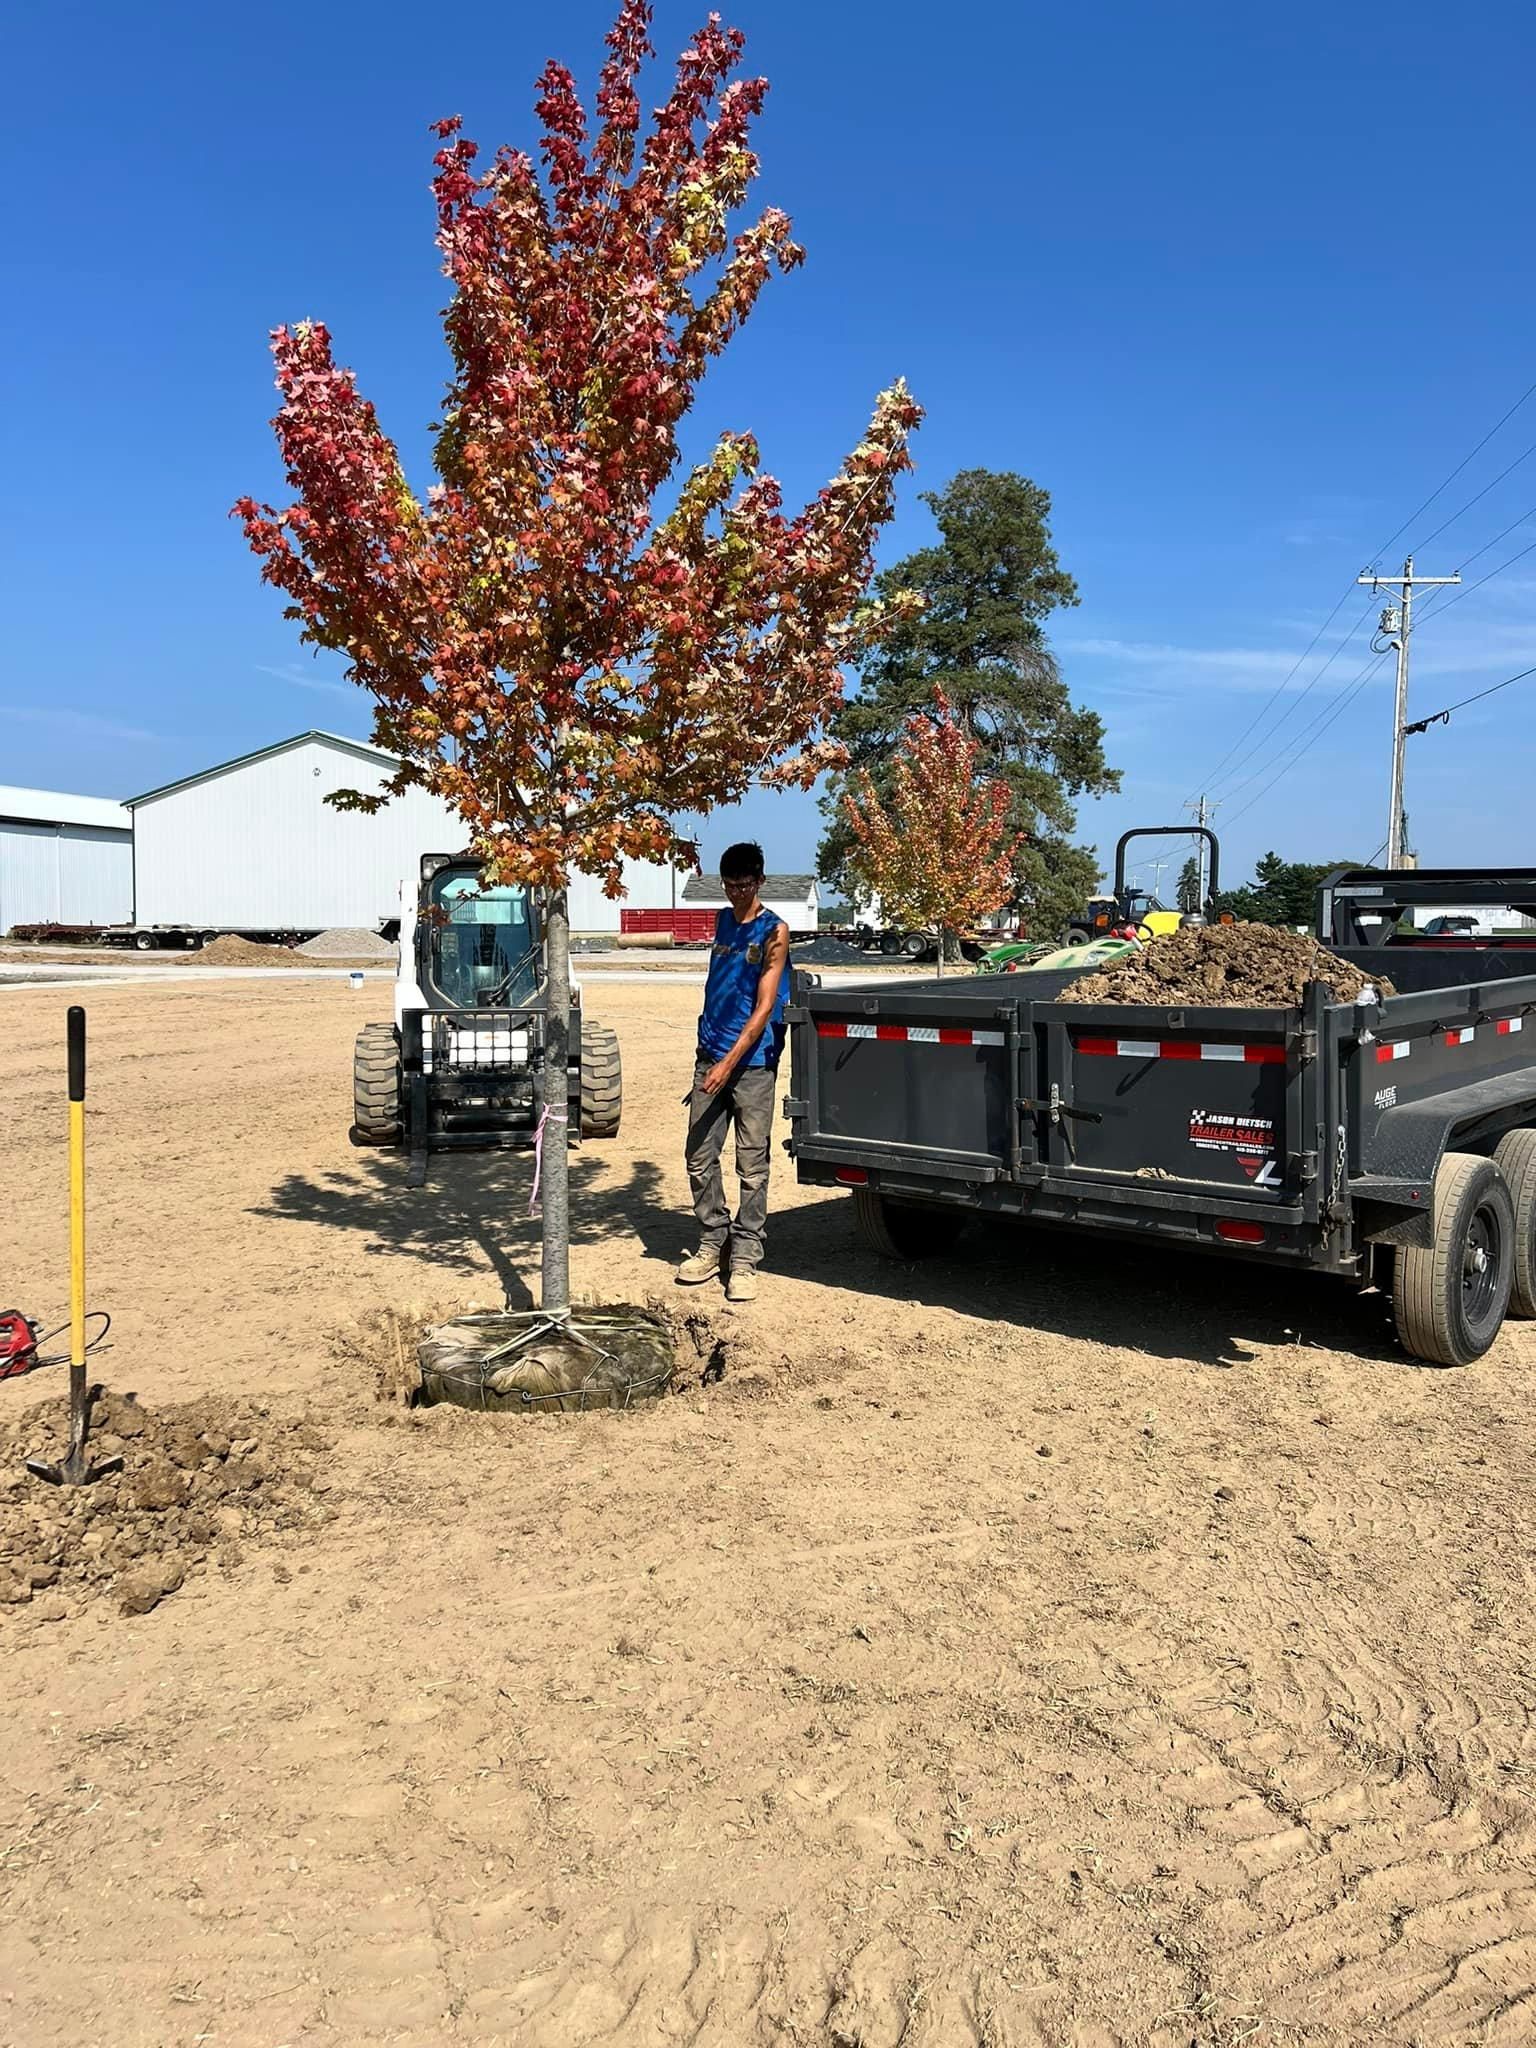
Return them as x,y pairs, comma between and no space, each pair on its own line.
795,898
64,859
252,843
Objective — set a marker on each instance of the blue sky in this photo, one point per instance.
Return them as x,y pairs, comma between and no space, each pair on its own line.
1238,286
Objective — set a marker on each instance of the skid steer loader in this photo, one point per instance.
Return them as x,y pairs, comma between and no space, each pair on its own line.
462,1068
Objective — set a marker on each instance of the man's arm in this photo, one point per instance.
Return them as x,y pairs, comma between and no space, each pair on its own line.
774,957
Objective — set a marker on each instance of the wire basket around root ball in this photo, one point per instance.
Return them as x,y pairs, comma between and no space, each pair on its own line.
525,1361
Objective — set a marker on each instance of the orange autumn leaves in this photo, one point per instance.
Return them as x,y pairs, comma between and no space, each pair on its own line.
937,849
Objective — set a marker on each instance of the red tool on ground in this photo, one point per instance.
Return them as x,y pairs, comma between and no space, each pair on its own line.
18,1343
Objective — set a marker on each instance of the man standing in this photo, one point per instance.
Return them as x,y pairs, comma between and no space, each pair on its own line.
741,1034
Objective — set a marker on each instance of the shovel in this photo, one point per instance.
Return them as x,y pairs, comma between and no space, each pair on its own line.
74,1469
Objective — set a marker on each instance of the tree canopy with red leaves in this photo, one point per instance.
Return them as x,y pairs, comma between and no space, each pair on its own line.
937,849
570,662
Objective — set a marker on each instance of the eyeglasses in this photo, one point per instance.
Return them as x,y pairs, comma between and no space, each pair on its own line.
740,881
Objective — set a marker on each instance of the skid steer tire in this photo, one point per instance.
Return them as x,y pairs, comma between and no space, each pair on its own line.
1515,1157
904,1231
602,1082
376,1086
1451,1296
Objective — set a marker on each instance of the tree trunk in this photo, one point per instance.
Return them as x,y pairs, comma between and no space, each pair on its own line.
555,1194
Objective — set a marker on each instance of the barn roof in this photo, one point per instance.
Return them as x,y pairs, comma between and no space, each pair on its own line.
359,748
54,807
709,888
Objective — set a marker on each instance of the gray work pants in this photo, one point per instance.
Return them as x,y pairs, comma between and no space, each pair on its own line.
746,1101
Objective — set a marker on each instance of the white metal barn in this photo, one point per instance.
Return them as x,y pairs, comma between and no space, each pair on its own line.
64,859
252,844
795,898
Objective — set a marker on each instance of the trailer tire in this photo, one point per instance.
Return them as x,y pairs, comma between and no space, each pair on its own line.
916,945
1451,1297
602,1082
1515,1157
903,1230
890,944
376,1086
144,942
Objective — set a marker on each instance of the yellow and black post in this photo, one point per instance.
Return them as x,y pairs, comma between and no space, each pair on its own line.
74,1470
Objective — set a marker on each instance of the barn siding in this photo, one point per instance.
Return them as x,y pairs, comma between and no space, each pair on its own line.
257,846
64,874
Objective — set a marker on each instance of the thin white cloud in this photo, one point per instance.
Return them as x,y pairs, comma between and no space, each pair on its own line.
79,721
300,681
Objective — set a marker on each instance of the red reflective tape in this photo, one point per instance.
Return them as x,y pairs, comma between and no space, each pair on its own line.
1508,1024
1264,1055
1101,1047
1179,1049
824,1030
898,1031
949,1036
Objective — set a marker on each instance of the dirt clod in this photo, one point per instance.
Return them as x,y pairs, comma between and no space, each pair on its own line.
1255,966
140,1590
181,1491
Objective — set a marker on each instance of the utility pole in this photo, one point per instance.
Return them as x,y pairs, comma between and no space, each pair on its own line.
1396,625
1203,810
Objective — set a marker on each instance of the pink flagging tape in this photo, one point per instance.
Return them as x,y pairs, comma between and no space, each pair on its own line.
909,1034
1180,1049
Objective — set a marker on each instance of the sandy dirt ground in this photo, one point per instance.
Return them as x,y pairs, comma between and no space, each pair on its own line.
1055,1645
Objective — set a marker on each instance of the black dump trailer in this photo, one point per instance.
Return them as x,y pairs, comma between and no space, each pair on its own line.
1390,1141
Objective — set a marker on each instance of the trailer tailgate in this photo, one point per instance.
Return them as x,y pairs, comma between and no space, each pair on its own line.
1195,1096
906,1075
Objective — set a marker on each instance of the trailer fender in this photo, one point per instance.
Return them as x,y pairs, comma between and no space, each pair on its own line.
1402,1153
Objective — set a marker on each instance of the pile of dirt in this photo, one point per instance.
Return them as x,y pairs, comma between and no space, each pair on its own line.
348,942
199,1480
228,951
1256,966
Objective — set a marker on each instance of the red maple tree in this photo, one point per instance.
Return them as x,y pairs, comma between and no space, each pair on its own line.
568,665
937,850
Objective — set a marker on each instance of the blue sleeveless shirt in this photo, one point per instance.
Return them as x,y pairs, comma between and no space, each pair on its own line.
730,994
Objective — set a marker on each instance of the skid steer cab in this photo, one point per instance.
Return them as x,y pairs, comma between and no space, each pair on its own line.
462,1066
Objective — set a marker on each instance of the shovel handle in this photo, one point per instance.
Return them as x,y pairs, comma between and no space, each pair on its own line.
76,1041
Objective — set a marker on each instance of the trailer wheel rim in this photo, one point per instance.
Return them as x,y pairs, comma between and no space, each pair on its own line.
1482,1262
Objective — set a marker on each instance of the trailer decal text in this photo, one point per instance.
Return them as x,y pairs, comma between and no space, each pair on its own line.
1251,1139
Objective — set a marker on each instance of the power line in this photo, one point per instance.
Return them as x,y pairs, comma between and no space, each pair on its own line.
1525,456
1443,717
1467,588
1456,472
1320,725
1302,695
1264,709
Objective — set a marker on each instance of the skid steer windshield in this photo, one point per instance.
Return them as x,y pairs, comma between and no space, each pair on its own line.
482,943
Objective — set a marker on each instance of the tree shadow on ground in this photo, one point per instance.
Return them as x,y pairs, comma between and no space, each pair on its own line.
473,1211
1167,1302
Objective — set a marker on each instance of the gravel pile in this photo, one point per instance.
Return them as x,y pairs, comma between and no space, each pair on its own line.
348,942
228,951
199,1481
1256,966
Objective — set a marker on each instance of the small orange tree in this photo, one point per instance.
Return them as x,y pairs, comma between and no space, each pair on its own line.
939,849
565,660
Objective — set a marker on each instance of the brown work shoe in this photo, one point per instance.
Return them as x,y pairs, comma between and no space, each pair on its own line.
742,1285
704,1264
